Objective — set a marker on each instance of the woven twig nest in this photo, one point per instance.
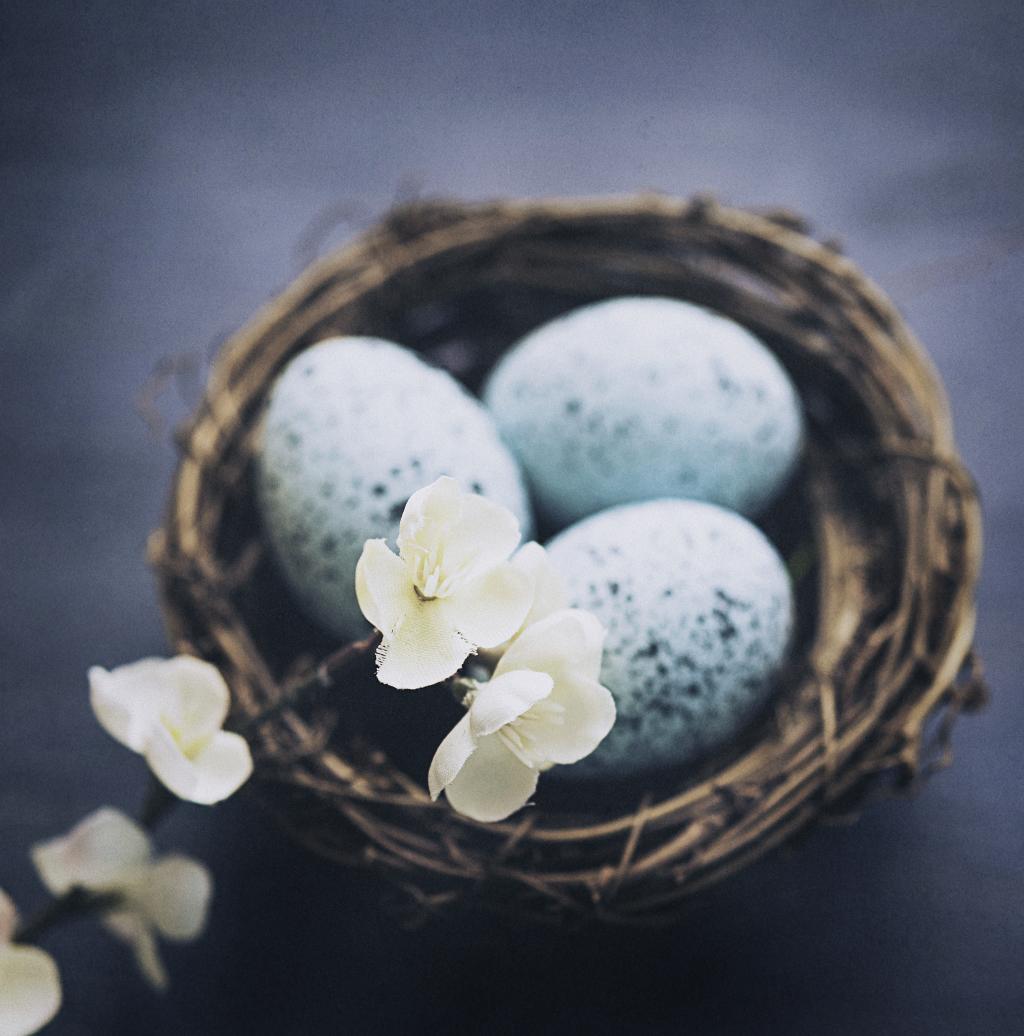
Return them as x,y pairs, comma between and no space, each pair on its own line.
882,521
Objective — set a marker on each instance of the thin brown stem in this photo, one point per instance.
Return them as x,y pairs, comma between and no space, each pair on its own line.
323,678
76,902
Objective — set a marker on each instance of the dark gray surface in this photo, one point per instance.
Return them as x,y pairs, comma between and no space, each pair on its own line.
159,164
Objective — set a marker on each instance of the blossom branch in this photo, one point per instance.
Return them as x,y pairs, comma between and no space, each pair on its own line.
159,800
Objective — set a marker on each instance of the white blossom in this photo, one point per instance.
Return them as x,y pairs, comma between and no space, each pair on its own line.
543,706
30,992
450,589
107,853
172,711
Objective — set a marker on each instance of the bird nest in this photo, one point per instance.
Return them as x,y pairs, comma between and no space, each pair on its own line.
880,528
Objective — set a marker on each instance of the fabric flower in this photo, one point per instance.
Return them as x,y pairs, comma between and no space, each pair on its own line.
544,705
171,711
108,853
30,991
450,589
548,590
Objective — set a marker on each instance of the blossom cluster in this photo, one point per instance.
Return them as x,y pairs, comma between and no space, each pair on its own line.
172,712
456,588
141,896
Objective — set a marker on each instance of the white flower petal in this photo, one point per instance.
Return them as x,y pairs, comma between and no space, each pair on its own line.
505,698
201,699
462,533
8,918
484,536
170,765
549,592
174,896
425,649
488,610
451,756
384,587
430,512
97,853
492,783
132,928
587,714
218,769
30,992
567,645
221,768
128,700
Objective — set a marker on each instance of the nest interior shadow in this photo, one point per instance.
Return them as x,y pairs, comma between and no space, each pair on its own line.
881,528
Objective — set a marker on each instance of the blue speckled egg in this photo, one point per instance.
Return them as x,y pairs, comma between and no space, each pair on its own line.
353,428
639,398
698,608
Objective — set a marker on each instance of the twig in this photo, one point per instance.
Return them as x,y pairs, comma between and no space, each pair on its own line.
324,678
76,902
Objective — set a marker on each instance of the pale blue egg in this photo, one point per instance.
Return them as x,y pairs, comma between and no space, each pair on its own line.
354,426
638,398
698,608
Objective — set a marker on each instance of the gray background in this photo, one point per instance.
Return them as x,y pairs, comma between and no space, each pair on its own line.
160,163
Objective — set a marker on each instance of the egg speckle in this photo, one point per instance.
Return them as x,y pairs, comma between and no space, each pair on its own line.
639,398
354,426
698,608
